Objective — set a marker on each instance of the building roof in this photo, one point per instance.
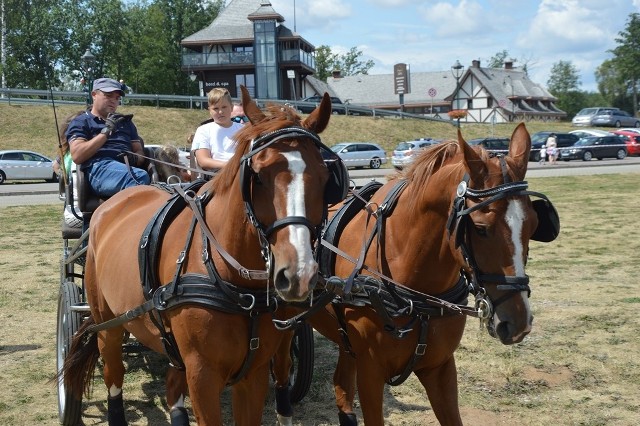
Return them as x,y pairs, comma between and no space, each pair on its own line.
378,90
233,23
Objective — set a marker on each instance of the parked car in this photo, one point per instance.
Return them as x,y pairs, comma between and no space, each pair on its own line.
313,101
183,153
361,154
595,147
406,152
492,144
632,139
25,165
615,118
585,116
563,140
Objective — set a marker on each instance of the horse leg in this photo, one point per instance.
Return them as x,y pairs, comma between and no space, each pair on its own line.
110,346
205,389
344,383
248,397
281,367
371,382
441,385
176,392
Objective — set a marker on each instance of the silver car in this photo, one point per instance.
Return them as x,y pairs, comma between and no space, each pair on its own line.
25,165
406,152
615,118
361,154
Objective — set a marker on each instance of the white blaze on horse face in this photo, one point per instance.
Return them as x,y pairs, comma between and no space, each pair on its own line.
299,235
515,217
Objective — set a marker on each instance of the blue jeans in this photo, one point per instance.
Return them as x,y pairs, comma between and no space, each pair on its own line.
108,176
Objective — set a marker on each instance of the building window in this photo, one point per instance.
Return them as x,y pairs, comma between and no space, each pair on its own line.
249,81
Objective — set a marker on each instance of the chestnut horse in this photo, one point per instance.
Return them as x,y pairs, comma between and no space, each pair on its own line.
210,303
457,221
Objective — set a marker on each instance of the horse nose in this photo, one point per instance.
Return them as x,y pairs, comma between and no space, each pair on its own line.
295,283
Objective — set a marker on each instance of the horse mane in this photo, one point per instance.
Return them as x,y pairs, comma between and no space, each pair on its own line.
277,117
431,161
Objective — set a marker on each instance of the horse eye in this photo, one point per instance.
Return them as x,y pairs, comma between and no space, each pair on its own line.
481,230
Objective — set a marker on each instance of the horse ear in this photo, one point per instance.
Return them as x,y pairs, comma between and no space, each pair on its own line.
319,118
519,150
472,161
250,107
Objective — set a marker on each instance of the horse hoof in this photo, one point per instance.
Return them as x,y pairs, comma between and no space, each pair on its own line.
179,416
284,421
347,419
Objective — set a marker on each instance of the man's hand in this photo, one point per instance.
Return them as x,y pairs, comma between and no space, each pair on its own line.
113,121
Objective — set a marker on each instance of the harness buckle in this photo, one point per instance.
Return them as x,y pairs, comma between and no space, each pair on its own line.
254,343
421,349
181,257
244,273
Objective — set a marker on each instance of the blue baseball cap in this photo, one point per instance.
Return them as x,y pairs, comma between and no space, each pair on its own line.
108,85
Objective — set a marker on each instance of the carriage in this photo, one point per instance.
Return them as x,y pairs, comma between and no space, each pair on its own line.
281,148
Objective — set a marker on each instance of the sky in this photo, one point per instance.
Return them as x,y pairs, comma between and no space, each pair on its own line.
430,35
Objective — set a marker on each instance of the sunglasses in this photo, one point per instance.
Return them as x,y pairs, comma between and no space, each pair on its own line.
240,119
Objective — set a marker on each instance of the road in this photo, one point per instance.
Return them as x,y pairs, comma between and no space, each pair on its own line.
19,193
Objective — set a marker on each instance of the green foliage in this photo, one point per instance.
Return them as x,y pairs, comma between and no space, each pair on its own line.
627,56
563,83
137,41
349,63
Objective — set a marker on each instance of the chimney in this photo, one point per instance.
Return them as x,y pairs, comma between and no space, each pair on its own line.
336,74
475,63
508,65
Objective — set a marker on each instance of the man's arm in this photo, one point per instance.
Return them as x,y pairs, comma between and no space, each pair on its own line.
82,150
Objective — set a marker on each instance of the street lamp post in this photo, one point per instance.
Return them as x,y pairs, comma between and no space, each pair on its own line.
456,71
88,60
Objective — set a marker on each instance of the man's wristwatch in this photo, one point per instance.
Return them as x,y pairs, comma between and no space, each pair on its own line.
105,131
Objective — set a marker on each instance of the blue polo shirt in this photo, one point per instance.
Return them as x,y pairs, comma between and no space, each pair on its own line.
87,126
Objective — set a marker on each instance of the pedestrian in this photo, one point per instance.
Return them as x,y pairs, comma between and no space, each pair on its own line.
104,143
552,148
543,154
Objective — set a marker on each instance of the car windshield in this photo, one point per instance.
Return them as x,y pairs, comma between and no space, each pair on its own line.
338,147
404,146
588,111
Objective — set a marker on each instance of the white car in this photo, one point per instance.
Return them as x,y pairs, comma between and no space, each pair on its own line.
25,165
361,154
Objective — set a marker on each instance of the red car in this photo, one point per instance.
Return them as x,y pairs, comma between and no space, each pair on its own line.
632,139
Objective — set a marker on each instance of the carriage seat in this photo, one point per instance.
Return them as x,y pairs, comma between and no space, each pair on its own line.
88,201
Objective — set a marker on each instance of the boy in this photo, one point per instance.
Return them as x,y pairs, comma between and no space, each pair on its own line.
543,154
213,142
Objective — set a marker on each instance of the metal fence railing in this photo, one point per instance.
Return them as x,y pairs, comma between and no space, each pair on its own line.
26,96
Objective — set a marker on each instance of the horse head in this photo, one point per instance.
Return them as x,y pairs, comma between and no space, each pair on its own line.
282,178
495,223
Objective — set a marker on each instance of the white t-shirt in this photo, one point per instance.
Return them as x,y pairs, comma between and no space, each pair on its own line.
217,139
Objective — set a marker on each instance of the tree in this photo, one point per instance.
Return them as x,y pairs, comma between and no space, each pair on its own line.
612,86
563,83
627,56
348,63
